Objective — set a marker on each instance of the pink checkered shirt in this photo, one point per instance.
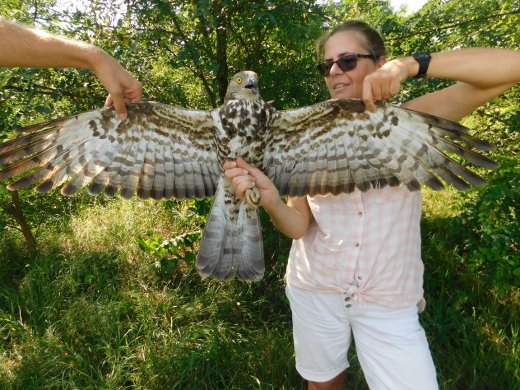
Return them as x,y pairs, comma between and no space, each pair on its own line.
367,245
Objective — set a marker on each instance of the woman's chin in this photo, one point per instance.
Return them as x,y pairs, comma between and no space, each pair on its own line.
344,93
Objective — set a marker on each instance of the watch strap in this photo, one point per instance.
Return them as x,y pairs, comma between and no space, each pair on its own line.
424,61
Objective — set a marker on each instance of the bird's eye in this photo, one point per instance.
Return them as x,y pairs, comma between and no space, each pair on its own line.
239,80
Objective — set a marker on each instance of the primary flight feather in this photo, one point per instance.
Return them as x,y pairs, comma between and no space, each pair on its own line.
164,152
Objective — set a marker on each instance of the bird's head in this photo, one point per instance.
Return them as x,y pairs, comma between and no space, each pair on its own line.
243,85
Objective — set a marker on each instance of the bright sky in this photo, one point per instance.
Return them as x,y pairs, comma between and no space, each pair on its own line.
412,5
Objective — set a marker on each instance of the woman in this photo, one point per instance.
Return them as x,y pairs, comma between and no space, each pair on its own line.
355,269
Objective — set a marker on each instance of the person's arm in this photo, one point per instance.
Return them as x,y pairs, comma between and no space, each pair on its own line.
482,74
292,219
25,47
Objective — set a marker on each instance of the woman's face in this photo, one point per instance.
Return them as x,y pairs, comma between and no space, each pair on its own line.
347,84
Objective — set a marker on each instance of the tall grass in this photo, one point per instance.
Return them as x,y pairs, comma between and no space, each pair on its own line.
91,310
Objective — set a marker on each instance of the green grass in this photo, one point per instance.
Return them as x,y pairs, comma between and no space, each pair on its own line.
92,311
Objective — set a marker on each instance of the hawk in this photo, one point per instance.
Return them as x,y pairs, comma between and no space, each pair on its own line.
164,152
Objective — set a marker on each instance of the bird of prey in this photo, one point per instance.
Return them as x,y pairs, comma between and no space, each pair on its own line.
163,152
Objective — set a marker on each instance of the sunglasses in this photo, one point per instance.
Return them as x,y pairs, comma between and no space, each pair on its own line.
345,63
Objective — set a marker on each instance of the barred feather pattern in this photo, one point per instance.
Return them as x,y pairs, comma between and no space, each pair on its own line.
163,152
337,146
158,152
232,242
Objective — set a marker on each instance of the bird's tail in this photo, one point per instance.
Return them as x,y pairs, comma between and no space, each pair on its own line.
231,247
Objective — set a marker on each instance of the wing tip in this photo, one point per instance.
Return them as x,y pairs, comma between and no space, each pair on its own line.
127,193
44,187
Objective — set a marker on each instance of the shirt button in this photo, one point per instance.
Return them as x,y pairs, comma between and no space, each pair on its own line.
348,305
347,299
357,244
360,213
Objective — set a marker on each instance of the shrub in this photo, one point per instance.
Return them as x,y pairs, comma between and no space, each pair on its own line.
491,228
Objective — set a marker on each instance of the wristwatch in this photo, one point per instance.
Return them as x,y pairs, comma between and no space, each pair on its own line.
424,60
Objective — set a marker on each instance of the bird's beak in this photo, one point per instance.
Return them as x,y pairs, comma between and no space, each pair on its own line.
252,85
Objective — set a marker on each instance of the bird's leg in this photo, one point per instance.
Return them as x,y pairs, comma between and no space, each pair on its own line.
253,197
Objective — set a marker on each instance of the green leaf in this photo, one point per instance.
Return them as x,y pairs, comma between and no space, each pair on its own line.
43,109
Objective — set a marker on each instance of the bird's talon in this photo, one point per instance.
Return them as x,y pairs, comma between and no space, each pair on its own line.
253,197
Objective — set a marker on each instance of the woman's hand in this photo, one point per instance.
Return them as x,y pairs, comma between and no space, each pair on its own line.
243,176
386,81
291,219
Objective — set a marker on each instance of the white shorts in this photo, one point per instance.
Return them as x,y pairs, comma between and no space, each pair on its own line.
390,344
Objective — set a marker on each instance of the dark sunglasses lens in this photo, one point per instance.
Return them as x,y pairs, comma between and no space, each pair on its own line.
347,63
324,68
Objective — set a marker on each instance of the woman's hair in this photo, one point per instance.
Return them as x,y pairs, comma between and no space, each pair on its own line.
369,38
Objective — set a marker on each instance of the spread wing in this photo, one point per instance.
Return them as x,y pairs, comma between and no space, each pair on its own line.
160,151
336,146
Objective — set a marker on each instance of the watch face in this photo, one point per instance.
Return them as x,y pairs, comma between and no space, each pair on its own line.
422,56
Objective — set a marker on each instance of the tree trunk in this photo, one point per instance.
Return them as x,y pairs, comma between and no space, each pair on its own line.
17,213
222,71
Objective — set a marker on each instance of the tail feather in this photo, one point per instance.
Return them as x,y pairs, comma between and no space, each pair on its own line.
251,257
212,244
228,247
